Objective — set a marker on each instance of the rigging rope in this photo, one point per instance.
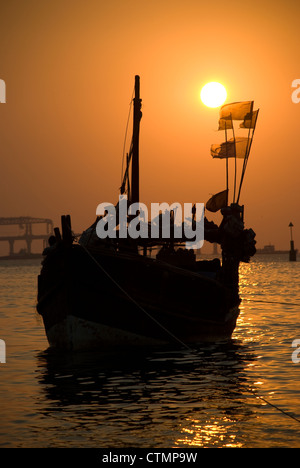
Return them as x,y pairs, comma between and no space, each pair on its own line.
274,406
134,301
125,138
254,394
272,302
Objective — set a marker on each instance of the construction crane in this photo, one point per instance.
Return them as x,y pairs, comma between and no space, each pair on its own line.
28,236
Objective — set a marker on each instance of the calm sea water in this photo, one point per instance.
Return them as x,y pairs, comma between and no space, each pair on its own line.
244,393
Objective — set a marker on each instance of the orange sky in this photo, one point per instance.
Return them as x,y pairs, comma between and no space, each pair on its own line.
69,69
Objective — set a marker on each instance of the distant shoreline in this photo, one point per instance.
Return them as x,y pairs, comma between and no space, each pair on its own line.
22,256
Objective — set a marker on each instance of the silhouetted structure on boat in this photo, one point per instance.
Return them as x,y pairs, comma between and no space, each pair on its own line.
99,293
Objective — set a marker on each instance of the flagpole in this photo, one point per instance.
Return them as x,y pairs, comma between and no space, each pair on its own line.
234,159
244,166
226,163
247,155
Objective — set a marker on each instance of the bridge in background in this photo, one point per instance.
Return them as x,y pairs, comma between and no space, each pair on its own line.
25,224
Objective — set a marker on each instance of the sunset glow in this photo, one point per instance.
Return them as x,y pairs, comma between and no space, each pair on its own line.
149,228
69,77
213,94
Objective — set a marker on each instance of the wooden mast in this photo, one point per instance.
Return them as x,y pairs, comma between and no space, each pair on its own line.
137,114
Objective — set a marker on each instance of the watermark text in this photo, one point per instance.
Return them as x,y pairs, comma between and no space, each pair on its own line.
166,221
2,92
150,457
2,352
296,92
296,353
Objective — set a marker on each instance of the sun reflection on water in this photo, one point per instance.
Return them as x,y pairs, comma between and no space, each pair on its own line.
210,434
219,395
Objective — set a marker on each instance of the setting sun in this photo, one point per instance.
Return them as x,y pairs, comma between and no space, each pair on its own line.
213,94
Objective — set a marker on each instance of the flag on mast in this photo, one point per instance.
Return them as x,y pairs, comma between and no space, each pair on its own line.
250,120
217,201
234,148
225,123
236,110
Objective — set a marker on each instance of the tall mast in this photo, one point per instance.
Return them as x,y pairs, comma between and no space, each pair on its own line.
137,114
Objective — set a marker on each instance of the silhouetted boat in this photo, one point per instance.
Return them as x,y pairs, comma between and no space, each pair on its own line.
97,293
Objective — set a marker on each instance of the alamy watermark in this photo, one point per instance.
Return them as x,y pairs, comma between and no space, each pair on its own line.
296,93
2,352
296,353
2,92
166,221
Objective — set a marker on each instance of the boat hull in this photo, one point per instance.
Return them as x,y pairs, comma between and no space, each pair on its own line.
74,333
107,300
